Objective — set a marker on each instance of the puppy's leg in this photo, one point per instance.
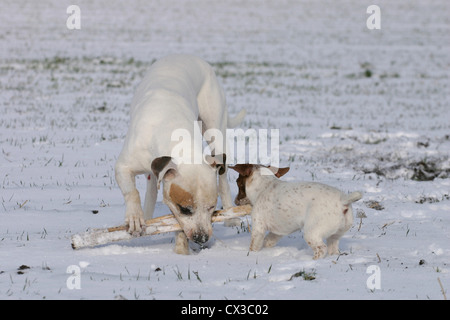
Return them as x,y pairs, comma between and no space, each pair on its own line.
150,196
342,227
333,240
181,243
316,243
257,241
271,240
134,216
333,244
258,231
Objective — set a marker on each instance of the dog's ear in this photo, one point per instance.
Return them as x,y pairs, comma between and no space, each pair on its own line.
164,168
217,161
281,172
244,169
278,172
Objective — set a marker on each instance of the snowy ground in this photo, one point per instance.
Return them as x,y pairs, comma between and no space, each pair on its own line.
358,109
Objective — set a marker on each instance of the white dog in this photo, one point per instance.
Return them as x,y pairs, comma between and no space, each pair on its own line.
323,212
177,91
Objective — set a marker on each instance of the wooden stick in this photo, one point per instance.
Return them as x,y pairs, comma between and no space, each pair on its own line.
167,223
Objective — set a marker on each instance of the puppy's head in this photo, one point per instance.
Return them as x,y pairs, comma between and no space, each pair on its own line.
190,192
245,178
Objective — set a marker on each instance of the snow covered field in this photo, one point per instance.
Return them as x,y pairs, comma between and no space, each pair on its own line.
358,109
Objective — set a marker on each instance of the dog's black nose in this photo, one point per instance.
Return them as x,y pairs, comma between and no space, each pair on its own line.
200,238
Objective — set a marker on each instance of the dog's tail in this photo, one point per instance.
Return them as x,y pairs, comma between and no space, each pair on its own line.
350,198
237,120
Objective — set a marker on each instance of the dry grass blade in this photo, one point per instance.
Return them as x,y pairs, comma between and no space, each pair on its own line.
442,289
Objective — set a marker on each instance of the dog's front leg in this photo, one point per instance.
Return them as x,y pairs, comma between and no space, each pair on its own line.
134,216
225,196
258,231
150,196
224,187
257,240
181,243
224,191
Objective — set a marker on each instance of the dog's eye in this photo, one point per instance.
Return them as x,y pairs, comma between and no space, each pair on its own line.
210,209
185,210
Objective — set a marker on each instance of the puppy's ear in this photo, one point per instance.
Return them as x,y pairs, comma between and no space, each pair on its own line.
164,168
244,169
217,161
281,172
278,172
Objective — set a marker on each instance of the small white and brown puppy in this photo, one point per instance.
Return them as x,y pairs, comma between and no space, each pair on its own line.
281,207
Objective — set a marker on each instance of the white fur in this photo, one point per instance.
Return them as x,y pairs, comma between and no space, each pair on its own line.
321,211
177,91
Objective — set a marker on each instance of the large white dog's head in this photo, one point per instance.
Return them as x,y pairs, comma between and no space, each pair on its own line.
190,191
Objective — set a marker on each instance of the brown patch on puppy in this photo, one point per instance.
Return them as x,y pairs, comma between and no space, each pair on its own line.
180,196
245,174
245,171
241,197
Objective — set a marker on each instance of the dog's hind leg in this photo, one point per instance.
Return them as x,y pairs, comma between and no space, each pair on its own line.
316,243
333,240
333,243
271,240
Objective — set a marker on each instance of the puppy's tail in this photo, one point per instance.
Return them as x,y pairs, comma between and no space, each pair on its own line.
350,198
237,120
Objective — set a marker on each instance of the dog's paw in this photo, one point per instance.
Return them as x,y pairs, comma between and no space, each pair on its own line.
181,244
136,225
319,252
